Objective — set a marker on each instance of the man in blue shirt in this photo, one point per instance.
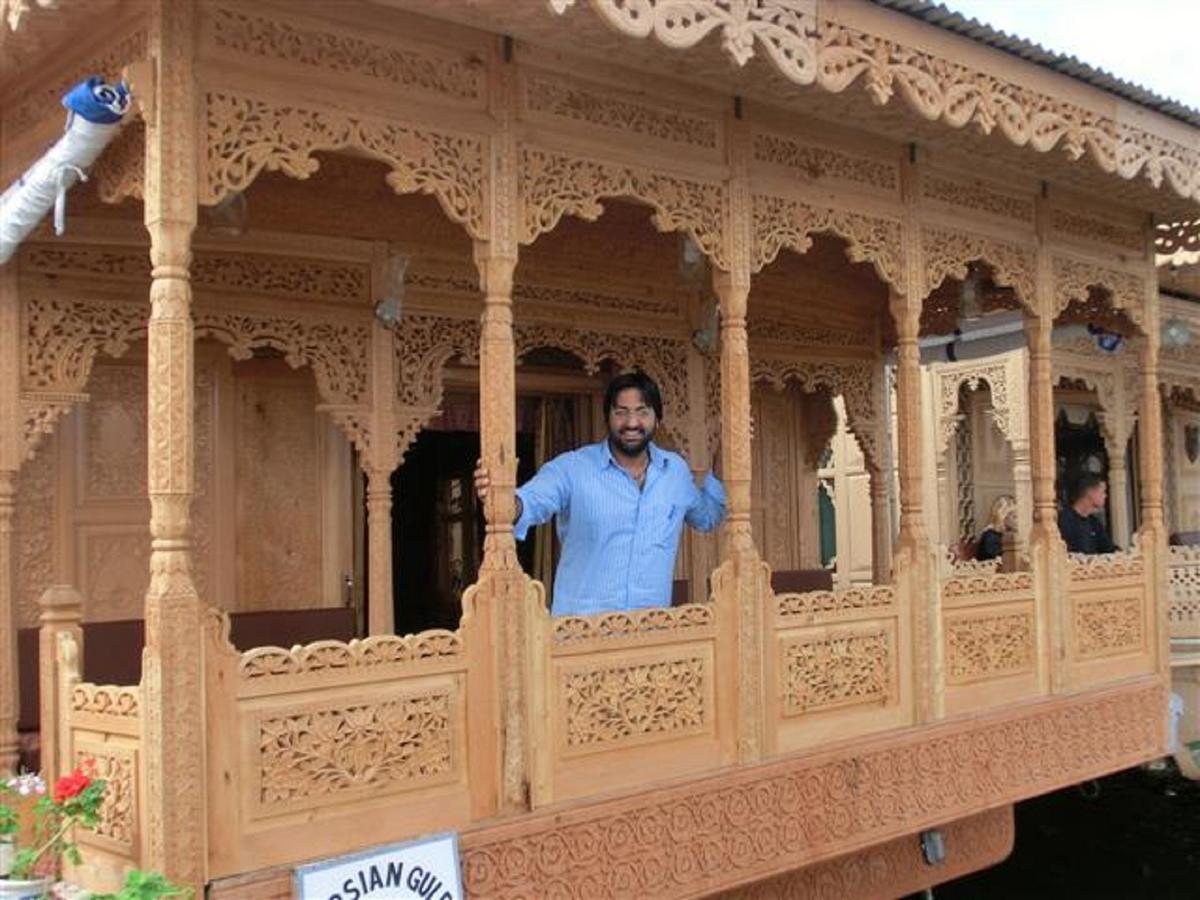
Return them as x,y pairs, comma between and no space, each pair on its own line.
620,507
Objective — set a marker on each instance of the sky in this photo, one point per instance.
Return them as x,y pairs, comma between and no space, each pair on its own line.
1154,43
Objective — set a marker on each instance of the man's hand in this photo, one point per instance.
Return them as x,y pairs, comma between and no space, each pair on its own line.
483,481
483,487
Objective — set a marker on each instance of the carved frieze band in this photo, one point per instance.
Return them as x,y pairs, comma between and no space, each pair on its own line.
808,49
266,274
556,96
554,184
336,656
977,196
732,828
948,252
784,222
445,76
795,609
688,621
813,163
1100,231
246,135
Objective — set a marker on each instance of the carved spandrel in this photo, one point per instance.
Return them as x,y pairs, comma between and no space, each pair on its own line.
247,135
555,184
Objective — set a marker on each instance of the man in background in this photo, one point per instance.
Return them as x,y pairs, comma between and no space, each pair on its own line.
1079,522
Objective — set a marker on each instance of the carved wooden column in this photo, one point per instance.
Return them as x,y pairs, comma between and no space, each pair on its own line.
12,445
1152,532
504,591
913,556
1118,491
173,730
61,613
702,562
1022,493
381,460
1047,551
881,528
742,569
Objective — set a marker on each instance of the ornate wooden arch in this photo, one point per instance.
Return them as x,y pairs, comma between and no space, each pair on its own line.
1002,376
663,359
948,253
63,338
246,134
785,222
860,383
1112,379
423,346
552,184
1075,280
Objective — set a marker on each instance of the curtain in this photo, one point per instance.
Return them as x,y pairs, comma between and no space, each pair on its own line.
557,432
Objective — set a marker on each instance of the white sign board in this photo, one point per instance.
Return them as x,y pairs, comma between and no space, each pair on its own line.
419,870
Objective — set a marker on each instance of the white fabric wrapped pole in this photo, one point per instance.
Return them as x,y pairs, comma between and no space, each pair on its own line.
45,183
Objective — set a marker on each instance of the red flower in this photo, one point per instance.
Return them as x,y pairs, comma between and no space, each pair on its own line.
70,786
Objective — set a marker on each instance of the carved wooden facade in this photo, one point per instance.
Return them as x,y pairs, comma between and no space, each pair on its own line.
542,197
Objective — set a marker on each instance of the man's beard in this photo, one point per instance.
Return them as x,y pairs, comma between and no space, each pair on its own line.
631,441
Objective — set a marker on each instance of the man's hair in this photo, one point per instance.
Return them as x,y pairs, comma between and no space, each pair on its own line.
1082,484
640,381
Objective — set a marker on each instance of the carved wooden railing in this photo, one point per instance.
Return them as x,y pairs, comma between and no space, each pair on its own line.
1109,627
102,728
837,663
631,696
989,634
331,746
1183,578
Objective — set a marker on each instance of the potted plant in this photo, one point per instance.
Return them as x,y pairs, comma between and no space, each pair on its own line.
37,833
37,827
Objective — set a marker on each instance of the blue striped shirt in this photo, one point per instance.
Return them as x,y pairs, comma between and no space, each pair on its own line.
618,542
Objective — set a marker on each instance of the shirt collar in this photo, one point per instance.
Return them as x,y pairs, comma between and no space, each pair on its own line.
657,457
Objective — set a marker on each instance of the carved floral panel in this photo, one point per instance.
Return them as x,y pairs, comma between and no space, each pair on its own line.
984,643
117,828
610,705
837,668
335,752
1108,626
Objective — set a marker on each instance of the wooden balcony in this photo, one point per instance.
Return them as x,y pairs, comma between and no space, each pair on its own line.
664,754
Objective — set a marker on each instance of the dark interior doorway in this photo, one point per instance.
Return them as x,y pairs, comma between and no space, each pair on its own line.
438,528
1079,448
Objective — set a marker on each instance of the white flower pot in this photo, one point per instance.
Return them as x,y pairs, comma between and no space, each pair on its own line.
32,889
8,855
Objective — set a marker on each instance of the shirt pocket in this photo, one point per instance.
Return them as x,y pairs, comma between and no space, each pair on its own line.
665,524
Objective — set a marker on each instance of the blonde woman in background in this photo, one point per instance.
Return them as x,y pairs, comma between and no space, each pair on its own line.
1002,519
